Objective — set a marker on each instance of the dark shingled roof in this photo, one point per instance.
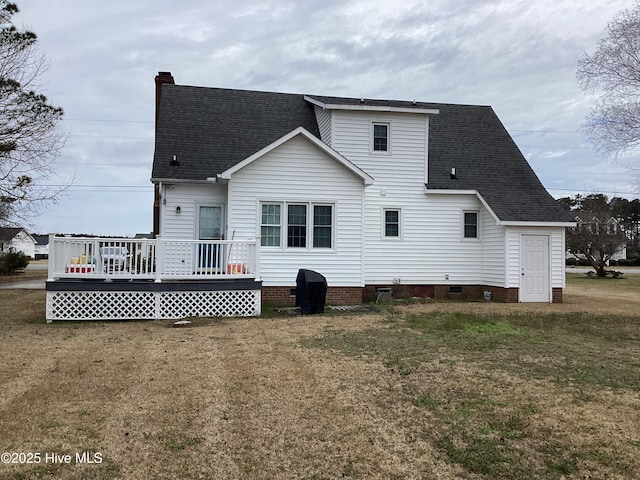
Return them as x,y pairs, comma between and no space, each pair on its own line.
472,140
9,233
212,129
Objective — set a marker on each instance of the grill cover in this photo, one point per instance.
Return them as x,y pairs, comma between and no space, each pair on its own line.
311,291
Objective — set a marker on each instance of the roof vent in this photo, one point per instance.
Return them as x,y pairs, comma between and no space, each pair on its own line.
174,161
453,173
362,100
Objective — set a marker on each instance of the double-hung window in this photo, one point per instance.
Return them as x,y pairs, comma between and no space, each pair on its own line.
380,137
391,223
297,225
322,226
470,224
270,225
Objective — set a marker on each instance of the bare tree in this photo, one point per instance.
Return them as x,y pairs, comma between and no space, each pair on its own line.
599,235
614,68
30,136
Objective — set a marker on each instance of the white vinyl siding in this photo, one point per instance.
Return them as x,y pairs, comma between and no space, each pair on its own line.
493,250
432,245
297,172
188,196
556,251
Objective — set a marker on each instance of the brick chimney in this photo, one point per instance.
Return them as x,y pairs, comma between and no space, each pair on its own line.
162,77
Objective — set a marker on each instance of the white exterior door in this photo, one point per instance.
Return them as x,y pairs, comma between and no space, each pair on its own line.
534,263
210,227
210,222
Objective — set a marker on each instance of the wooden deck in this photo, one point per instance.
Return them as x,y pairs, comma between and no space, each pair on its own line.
133,279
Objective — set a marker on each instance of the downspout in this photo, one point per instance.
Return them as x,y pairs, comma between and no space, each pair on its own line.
157,196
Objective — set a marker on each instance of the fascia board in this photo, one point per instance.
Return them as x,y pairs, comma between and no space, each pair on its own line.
371,108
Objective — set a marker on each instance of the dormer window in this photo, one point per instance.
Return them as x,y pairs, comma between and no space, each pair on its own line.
380,137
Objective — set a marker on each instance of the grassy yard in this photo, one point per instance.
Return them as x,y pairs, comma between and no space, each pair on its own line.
428,390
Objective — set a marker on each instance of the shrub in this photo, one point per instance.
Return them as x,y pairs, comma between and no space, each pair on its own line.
12,262
571,262
623,262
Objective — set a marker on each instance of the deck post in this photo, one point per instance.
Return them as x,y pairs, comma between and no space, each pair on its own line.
256,257
51,261
159,260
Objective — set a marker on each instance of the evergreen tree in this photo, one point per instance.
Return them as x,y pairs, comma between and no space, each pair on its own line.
30,137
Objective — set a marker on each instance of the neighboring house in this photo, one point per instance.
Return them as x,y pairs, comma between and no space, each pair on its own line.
594,224
18,240
370,193
42,246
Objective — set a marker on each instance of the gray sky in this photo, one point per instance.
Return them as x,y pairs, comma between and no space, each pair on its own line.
517,56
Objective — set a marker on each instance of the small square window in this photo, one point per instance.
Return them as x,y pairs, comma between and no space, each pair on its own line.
380,137
470,224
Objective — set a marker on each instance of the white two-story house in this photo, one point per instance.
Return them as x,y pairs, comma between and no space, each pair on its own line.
428,199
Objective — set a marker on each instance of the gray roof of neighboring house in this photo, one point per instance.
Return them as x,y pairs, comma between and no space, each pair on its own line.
9,233
212,129
41,239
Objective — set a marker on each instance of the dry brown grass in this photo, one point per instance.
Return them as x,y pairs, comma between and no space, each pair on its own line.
23,276
308,397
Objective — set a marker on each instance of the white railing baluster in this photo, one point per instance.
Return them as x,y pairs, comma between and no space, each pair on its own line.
154,259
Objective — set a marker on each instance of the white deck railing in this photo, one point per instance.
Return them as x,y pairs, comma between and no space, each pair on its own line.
151,259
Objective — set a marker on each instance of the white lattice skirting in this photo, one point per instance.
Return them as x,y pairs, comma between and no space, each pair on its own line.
139,305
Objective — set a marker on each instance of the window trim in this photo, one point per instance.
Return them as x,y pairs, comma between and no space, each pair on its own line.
279,225
312,215
305,225
384,224
310,225
372,138
463,226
